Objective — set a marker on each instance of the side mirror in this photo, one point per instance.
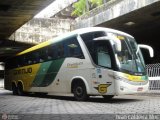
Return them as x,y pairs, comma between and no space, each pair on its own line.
117,44
149,48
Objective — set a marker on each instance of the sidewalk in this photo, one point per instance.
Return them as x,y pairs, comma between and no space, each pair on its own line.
155,93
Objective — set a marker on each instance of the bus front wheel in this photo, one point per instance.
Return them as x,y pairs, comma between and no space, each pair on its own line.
79,91
108,97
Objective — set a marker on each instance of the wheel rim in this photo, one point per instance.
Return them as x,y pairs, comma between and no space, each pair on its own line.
79,91
20,90
14,89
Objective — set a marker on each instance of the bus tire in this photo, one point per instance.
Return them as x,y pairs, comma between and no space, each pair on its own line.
20,89
79,91
14,89
108,97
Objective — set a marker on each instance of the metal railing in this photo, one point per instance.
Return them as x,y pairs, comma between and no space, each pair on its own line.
153,71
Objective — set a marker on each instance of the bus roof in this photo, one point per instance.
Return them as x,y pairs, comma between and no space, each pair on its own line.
78,31
94,29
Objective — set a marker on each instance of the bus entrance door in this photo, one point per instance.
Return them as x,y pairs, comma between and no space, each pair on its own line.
106,82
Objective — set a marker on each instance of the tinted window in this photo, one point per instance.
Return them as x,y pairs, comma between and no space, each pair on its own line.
88,40
103,54
52,52
36,57
65,48
43,55
20,61
73,48
60,50
88,37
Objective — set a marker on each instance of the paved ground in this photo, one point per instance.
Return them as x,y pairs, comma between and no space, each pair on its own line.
49,107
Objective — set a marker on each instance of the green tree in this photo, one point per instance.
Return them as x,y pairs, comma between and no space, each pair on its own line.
96,2
83,6
79,8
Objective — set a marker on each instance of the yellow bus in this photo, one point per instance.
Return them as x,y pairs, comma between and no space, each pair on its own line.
86,62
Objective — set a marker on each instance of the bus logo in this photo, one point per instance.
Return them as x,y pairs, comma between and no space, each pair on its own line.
102,88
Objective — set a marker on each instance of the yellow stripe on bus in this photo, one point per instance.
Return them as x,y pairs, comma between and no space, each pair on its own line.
35,48
25,74
134,78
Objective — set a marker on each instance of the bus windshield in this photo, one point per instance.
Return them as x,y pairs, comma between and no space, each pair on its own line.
130,58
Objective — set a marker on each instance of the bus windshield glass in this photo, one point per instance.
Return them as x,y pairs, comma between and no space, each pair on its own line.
130,58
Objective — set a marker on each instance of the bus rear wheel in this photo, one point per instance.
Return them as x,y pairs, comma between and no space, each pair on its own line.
14,89
20,89
79,91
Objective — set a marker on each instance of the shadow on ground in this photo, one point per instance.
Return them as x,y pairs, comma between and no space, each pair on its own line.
94,99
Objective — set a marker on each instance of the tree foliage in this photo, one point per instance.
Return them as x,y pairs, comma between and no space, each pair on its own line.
80,7
96,2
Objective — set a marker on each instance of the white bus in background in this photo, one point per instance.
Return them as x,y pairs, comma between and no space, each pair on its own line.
86,62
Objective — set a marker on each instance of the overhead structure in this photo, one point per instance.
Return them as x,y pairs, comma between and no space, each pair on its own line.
139,18
13,14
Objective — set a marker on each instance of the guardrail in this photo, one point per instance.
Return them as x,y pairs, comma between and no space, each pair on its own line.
153,71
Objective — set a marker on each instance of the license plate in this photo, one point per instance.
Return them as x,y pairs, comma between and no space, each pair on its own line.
140,89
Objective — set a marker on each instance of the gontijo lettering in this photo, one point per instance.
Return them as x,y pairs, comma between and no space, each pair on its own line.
23,71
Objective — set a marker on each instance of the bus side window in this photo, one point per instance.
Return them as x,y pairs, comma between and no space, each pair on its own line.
74,49
28,59
103,56
13,63
60,48
36,58
88,40
43,55
52,52
25,62
20,61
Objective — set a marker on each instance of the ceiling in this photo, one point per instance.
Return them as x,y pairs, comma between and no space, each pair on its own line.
13,14
143,19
